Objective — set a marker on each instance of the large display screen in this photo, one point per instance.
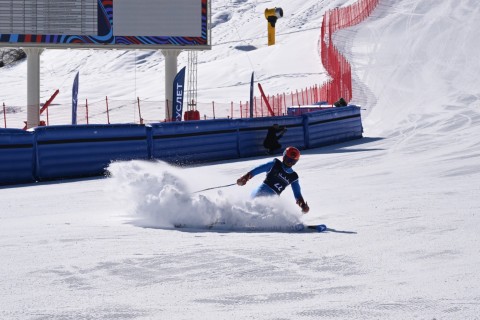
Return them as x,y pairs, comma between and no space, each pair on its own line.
105,23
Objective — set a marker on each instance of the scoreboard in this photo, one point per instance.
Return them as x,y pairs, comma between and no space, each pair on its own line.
164,24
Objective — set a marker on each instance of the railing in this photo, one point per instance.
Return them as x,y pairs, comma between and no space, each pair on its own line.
59,152
109,111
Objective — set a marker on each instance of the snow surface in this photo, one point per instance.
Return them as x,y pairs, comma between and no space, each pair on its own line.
403,202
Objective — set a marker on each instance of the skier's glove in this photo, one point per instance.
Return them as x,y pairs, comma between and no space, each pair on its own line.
302,204
243,180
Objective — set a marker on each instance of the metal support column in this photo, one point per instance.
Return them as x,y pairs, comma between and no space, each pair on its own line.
33,86
170,73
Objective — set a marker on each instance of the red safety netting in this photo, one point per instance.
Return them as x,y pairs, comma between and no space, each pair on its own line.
336,65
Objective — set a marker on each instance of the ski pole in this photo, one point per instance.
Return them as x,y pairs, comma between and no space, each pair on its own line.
227,185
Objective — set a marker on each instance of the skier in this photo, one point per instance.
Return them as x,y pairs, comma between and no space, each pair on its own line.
271,140
279,175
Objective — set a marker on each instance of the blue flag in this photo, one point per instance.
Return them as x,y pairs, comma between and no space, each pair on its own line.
178,90
75,99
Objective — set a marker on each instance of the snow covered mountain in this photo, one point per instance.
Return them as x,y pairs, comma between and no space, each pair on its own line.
240,47
403,201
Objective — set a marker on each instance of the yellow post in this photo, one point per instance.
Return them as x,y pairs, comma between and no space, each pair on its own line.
272,15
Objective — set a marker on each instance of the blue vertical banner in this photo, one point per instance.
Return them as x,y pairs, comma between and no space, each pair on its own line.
251,97
178,91
75,99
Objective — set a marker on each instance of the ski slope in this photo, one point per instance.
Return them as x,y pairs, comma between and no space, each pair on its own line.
403,200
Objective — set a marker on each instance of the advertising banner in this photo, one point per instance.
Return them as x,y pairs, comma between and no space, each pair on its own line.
178,93
75,99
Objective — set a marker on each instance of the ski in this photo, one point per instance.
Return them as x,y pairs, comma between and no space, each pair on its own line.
316,227
300,227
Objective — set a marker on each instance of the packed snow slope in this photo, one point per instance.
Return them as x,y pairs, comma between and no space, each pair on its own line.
403,201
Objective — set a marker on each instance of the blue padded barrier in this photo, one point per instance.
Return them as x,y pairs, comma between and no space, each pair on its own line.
333,126
195,141
16,156
57,152
253,131
86,150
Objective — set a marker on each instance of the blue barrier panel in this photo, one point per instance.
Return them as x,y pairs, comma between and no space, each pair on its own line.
16,156
85,150
333,126
195,141
57,152
298,111
252,132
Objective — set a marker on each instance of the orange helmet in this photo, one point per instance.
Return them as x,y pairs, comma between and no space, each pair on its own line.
291,156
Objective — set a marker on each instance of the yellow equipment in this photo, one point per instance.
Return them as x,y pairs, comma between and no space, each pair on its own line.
272,15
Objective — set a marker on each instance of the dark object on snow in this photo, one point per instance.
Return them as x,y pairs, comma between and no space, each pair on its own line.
8,56
271,140
341,103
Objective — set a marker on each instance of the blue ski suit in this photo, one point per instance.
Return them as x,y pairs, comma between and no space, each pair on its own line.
279,176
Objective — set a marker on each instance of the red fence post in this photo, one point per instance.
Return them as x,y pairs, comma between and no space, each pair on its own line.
265,99
273,105
261,106
49,101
